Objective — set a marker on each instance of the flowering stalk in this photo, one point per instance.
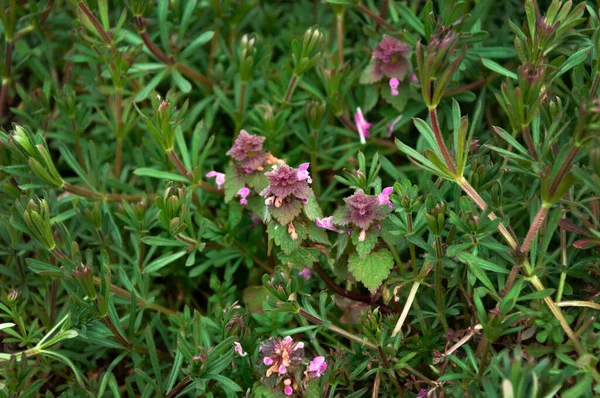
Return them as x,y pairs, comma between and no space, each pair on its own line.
535,227
534,279
439,294
339,17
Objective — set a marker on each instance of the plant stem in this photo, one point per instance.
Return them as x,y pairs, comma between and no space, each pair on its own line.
440,141
534,228
184,172
188,240
386,364
346,293
563,169
78,149
529,142
376,385
110,197
563,263
439,294
241,101
411,296
486,351
340,36
214,45
378,20
290,89
335,329
534,279
6,78
314,165
411,246
179,387
115,332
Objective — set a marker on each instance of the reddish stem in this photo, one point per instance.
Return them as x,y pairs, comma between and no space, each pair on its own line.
563,169
535,227
440,141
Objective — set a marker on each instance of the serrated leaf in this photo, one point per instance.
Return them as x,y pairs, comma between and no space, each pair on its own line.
279,233
373,269
363,248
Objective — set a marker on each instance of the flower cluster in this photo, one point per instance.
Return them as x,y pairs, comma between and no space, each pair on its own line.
284,358
361,211
288,189
391,59
248,151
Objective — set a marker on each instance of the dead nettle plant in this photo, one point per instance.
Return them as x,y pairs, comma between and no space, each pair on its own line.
299,199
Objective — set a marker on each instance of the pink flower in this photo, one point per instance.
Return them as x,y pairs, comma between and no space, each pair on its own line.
220,178
238,349
394,83
248,151
361,125
244,193
288,390
391,59
414,78
303,173
384,197
327,223
316,367
392,125
282,355
306,273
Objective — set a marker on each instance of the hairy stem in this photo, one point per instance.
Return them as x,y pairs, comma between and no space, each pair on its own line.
179,387
439,290
290,89
437,132
483,361
346,293
528,270
534,228
340,36
529,142
563,263
378,20
564,168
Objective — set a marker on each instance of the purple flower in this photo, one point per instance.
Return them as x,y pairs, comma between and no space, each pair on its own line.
243,194
284,181
281,355
384,197
363,210
306,273
361,125
238,349
422,393
248,151
288,390
392,125
394,83
414,78
220,178
303,173
391,59
316,367
327,223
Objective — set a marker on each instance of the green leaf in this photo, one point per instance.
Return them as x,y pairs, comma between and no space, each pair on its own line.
163,175
181,82
279,233
496,67
151,85
373,269
476,265
158,241
311,209
410,18
204,38
163,261
233,183
364,248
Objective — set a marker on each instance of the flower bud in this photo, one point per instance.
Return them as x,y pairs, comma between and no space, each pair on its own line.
315,110
308,52
37,219
83,275
11,298
94,216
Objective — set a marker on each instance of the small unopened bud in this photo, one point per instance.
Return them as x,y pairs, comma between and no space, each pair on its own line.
11,298
83,274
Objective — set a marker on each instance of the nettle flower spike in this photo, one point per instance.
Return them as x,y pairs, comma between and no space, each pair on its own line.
248,151
219,178
281,355
364,210
391,59
284,182
362,126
